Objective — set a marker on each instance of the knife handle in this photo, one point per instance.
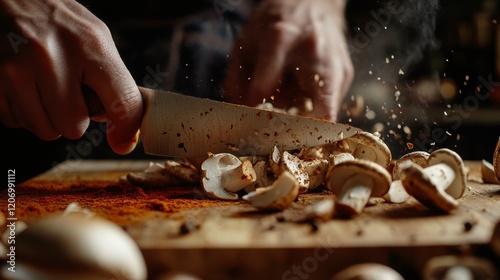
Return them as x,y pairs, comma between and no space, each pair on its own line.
94,104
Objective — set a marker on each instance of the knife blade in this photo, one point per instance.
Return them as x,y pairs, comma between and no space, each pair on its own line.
186,126
178,125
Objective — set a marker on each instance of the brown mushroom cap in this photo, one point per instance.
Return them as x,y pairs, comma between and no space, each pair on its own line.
453,160
363,141
418,157
421,187
342,171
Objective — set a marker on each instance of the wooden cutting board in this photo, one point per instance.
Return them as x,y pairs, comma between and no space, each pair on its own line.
180,229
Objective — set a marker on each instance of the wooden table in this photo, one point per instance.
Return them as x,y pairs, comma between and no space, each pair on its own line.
232,240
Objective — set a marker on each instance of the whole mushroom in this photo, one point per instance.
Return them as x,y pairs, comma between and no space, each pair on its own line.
397,192
75,247
354,182
451,267
438,185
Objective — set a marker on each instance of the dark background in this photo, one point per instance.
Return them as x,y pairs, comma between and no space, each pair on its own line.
407,109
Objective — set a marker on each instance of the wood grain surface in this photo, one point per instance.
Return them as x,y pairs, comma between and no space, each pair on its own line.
232,240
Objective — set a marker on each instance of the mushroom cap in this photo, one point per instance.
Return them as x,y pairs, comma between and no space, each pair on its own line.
73,245
453,160
342,171
368,141
367,271
418,157
420,186
295,166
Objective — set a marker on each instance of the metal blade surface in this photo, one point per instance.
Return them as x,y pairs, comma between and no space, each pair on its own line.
184,126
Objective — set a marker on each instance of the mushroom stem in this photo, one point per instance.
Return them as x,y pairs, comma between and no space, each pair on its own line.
355,194
238,176
441,174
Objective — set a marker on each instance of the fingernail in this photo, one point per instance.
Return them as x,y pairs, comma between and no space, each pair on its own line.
129,146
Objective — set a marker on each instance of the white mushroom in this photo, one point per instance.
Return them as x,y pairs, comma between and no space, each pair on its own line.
295,166
397,192
316,170
322,210
496,159
365,145
274,160
438,185
224,174
74,208
488,173
154,176
73,247
278,196
262,179
354,182
367,271
451,267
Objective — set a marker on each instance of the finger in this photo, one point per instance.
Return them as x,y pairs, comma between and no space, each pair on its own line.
119,94
25,104
60,89
6,115
271,59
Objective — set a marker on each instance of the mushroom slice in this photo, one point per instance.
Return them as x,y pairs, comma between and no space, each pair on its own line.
274,160
155,176
365,271
262,179
397,192
458,267
446,156
322,210
316,170
224,174
295,166
183,170
365,145
354,182
73,247
496,159
278,196
488,173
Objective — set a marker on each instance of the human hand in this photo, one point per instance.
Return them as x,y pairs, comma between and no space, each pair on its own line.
49,49
291,50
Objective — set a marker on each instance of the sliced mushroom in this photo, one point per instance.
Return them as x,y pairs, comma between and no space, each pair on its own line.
458,268
365,145
316,170
397,192
74,208
274,160
262,179
278,196
224,174
295,166
488,173
438,185
368,271
496,159
155,176
322,210
73,247
183,171
354,182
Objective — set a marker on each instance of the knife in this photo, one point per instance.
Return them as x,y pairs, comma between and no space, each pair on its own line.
184,126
